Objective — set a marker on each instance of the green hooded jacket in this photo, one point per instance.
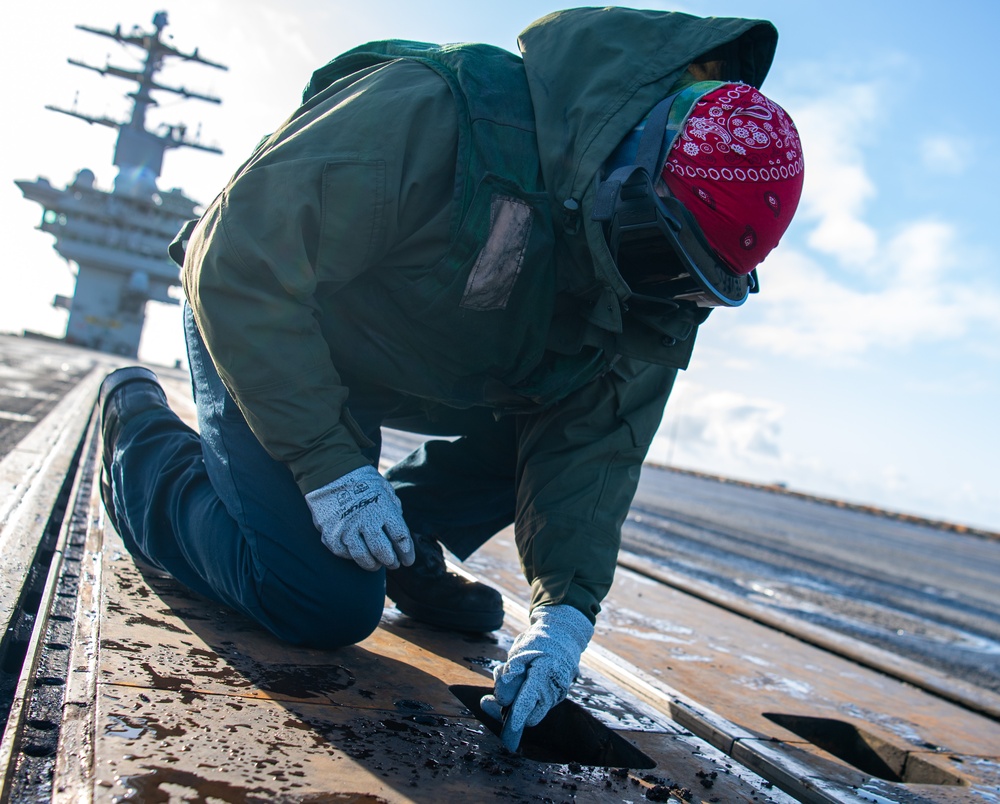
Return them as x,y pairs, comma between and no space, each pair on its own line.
422,222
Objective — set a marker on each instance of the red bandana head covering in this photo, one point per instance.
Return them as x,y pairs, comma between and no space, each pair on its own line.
737,167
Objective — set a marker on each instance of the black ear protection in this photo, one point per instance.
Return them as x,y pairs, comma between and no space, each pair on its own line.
658,247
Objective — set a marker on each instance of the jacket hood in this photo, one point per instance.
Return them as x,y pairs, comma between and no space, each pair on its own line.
595,73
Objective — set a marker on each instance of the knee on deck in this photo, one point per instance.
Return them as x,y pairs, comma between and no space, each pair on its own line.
335,620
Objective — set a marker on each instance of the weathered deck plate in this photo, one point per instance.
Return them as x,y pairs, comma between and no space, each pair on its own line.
171,697
195,700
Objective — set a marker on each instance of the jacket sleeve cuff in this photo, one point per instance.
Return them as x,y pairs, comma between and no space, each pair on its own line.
315,471
562,589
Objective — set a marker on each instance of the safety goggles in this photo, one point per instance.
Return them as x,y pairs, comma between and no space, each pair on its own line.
657,245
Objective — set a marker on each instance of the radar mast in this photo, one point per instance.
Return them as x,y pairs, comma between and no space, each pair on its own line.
118,239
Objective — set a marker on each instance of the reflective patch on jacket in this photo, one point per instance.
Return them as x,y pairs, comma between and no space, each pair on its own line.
499,263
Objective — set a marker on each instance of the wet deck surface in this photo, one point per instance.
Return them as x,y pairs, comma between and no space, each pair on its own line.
922,592
193,700
169,697
33,379
742,685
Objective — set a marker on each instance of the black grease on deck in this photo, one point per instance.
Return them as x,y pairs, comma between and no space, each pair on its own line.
27,614
193,696
279,718
45,698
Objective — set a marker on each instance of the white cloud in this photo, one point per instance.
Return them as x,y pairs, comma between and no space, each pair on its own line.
741,436
945,155
722,424
922,296
882,289
837,185
288,34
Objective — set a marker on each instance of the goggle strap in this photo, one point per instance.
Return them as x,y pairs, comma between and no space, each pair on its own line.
657,137
654,136
607,194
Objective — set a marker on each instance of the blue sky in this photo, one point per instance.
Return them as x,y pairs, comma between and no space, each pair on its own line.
869,366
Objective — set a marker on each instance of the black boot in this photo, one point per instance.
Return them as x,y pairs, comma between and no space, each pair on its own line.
426,591
124,394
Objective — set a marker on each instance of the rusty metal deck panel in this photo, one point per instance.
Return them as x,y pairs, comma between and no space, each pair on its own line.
171,697
718,674
192,699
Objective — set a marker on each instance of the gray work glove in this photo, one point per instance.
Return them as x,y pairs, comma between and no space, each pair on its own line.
540,667
360,517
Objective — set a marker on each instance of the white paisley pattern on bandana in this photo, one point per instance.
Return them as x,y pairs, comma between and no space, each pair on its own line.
737,135
736,165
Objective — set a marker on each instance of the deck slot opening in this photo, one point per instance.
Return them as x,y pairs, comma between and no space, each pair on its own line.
865,751
569,733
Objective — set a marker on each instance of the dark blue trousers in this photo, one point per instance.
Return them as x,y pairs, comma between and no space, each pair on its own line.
216,512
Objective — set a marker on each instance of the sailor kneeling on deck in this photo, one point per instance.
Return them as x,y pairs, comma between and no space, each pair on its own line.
508,254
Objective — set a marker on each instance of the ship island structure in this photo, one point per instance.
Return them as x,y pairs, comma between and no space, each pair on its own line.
118,239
